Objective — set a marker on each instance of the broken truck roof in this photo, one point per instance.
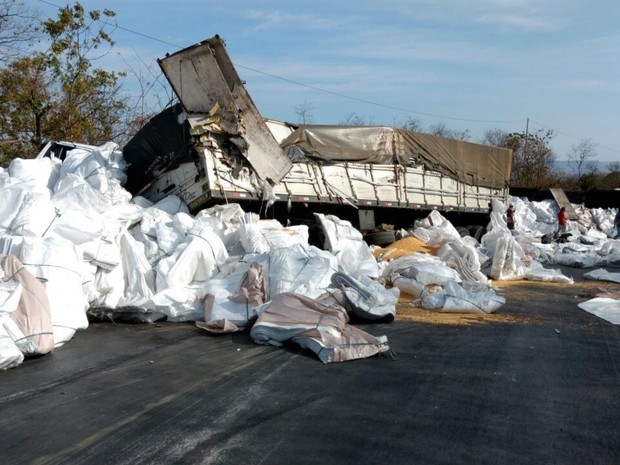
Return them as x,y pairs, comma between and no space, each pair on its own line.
205,80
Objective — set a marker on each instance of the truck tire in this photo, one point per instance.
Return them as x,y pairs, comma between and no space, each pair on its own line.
380,238
477,232
462,231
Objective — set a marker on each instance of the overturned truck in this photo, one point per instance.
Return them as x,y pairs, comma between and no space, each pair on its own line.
215,147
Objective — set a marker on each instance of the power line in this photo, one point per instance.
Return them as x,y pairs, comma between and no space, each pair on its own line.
356,99
318,89
123,28
369,102
573,136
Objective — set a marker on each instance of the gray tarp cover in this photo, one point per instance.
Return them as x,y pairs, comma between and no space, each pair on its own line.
473,164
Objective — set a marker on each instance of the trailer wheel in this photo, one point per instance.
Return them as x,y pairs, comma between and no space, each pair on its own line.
462,231
477,232
380,238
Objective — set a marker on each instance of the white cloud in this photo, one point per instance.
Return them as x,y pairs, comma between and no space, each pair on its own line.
520,21
271,19
580,85
504,15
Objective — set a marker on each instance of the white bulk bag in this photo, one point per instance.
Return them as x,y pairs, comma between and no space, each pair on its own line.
198,260
10,355
59,266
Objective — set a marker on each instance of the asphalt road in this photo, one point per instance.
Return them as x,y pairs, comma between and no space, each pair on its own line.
544,388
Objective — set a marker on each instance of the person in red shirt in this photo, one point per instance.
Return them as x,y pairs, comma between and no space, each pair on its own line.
561,221
510,217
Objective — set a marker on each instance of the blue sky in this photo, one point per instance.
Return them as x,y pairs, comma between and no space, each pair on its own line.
469,64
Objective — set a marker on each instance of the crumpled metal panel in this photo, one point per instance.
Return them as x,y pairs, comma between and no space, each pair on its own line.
203,77
560,197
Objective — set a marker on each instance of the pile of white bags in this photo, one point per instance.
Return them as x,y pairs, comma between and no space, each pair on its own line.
92,248
346,243
450,281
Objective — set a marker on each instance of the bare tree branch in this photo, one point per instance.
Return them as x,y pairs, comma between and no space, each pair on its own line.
18,28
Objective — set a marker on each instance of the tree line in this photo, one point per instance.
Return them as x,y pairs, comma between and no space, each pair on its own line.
52,89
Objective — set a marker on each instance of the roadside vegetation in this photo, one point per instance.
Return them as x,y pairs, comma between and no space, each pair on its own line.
51,84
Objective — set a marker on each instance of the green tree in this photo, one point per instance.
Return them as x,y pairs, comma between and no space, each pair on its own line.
589,181
59,94
611,180
532,159
24,101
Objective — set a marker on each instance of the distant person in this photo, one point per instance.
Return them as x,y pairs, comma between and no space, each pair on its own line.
617,224
562,221
510,217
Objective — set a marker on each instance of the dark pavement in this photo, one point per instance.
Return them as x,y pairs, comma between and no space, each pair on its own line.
544,388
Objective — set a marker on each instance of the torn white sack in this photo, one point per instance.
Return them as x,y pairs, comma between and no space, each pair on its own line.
344,241
603,307
367,298
59,265
315,326
601,274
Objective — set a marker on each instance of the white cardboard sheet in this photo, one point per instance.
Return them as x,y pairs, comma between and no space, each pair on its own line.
603,307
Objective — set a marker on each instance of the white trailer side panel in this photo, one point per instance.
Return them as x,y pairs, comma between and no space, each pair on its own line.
356,184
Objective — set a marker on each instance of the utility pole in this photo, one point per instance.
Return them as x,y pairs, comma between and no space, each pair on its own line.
527,126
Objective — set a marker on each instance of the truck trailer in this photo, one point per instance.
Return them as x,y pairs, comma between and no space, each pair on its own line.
215,147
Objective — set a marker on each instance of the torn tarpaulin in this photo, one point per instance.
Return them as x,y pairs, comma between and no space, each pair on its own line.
314,326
